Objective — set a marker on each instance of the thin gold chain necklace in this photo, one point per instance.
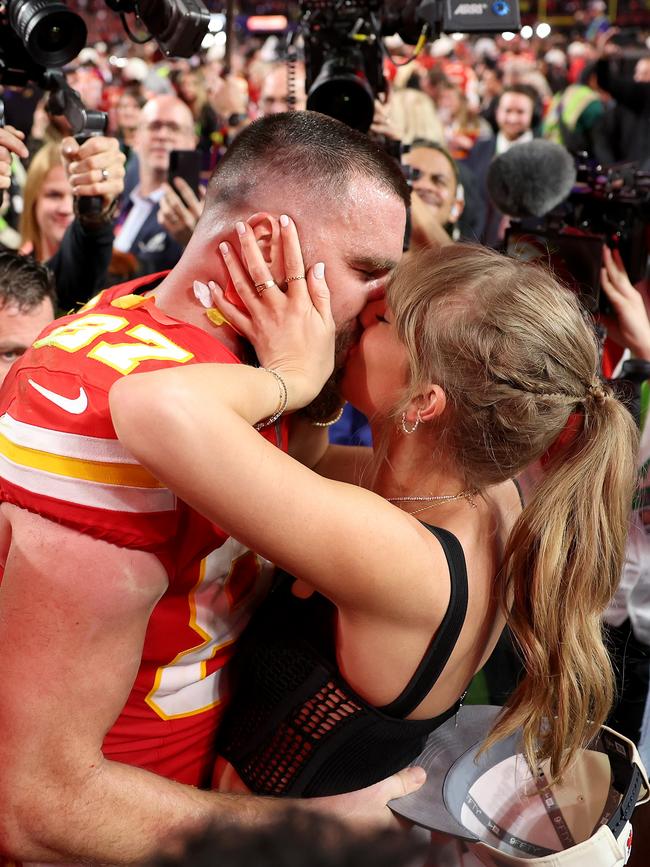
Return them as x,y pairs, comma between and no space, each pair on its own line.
432,500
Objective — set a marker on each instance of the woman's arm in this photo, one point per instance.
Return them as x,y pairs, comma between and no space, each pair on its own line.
345,541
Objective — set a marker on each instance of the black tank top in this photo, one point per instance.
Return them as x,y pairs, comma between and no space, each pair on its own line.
295,727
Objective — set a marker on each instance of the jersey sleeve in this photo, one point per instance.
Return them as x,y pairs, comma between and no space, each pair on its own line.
59,454
75,473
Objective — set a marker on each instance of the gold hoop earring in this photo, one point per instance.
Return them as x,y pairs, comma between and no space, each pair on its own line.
410,430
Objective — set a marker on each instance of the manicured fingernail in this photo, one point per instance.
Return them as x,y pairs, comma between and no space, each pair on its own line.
284,220
241,228
319,270
224,248
202,293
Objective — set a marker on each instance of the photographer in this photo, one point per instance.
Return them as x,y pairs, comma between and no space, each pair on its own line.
166,124
79,249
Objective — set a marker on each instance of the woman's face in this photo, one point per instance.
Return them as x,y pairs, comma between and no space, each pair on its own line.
376,371
128,112
54,211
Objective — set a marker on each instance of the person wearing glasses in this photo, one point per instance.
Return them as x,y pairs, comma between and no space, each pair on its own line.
437,194
166,124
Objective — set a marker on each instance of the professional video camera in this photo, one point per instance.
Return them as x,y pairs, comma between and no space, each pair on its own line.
606,206
344,48
39,37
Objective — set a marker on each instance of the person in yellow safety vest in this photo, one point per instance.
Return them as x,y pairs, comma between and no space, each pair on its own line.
573,113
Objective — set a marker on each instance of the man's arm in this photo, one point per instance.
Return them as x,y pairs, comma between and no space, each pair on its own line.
73,615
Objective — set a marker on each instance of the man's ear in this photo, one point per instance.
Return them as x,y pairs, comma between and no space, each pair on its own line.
431,404
266,228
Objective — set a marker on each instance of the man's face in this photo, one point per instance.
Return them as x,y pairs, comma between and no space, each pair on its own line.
360,244
514,114
274,97
165,125
19,329
434,181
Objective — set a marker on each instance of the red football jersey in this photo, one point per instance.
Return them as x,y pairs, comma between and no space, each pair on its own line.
60,458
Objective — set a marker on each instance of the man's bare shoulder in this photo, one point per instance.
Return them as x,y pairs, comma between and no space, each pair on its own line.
61,555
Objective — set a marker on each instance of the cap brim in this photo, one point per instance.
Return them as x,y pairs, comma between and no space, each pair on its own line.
444,746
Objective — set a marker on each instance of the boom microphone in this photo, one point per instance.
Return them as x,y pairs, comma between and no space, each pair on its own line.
530,179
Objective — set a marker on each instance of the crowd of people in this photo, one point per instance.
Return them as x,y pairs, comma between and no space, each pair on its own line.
290,451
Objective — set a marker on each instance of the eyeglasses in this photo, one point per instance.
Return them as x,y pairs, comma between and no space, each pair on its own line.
436,179
170,125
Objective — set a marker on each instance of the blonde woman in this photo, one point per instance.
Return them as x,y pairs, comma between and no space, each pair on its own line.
412,115
47,204
409,561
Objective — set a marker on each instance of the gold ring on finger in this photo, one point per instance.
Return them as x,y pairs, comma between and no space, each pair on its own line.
299,277
104,174
261,287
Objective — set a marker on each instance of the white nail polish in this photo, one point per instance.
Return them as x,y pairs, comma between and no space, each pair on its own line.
202,293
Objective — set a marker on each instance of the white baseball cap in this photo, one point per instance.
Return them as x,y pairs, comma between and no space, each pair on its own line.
511,813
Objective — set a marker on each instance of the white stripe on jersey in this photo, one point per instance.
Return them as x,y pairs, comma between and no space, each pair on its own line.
65,444
119,498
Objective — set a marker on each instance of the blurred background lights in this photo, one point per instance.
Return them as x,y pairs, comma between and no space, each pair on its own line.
543,30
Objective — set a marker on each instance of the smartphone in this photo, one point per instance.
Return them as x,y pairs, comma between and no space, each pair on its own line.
186,165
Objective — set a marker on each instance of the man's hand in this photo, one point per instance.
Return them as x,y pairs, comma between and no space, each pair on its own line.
11,142
95,168
426,231
177,216
368,807
629,327
381,122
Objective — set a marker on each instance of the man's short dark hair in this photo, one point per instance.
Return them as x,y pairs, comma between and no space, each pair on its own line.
24,282
524,90
314,149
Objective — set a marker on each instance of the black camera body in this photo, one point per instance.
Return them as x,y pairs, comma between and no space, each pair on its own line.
607,206
344,51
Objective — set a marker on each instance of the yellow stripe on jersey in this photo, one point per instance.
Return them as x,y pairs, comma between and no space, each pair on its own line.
128,475
87,471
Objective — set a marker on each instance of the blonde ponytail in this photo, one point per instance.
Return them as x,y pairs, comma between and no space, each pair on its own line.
562,565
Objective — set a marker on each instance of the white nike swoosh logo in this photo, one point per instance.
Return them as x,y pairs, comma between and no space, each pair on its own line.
75,405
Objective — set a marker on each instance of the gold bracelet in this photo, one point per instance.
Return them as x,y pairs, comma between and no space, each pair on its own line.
282,405
330,421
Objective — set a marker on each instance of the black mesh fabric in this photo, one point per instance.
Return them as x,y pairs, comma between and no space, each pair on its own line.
294,727
298,729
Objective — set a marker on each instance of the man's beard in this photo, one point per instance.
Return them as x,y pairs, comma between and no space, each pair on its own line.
328,401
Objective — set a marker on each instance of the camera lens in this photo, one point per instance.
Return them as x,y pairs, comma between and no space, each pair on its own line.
50,32
342,91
